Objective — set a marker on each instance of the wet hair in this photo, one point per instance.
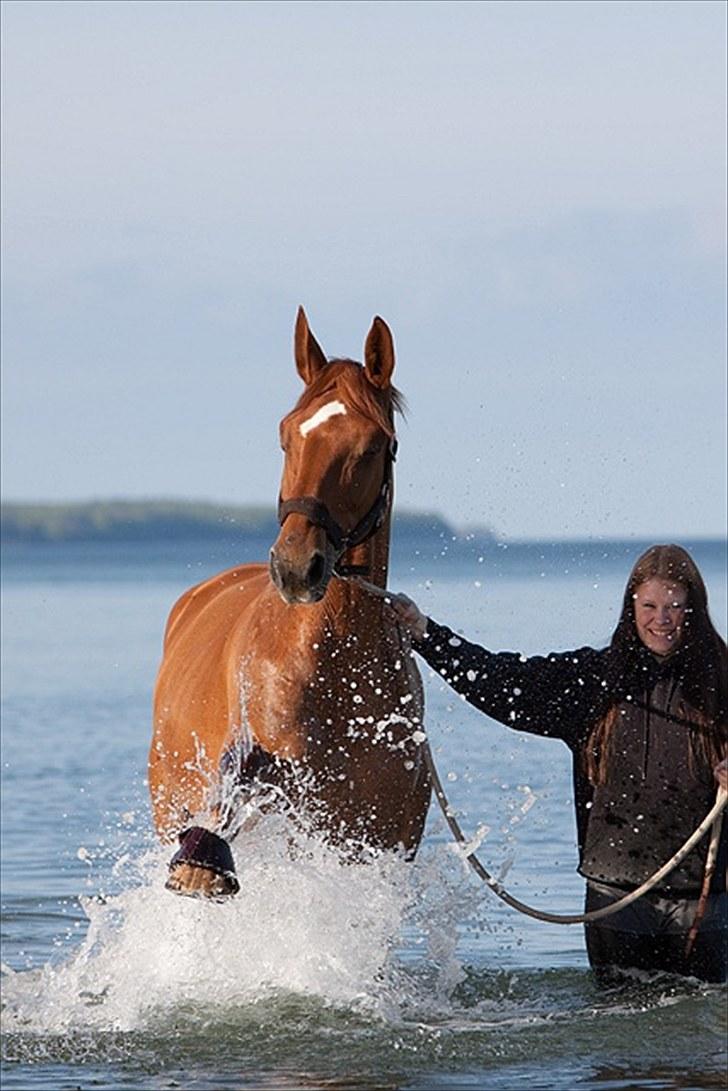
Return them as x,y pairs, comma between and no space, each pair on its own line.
702,657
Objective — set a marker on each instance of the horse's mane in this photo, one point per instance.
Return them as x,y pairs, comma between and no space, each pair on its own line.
348,378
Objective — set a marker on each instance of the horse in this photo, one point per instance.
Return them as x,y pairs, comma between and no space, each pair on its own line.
284,682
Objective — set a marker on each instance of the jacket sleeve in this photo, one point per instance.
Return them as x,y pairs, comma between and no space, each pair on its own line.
558,695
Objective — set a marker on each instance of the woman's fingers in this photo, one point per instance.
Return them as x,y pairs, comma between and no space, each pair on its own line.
407,614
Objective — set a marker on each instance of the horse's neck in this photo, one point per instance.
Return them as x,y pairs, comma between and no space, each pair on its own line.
372,556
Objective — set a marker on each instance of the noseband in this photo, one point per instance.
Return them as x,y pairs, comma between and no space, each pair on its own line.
319,515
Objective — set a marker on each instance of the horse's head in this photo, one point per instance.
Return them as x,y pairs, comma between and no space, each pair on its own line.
339,445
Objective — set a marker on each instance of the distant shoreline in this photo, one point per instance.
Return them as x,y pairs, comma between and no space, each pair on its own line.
161,520
140,521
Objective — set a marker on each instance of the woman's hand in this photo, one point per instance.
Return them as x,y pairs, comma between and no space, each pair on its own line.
403,611
721,774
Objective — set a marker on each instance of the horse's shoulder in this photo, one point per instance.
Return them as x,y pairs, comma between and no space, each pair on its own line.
217,588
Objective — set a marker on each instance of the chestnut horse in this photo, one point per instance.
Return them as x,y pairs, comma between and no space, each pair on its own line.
283,681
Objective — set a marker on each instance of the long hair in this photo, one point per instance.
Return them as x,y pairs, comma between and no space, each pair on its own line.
702,657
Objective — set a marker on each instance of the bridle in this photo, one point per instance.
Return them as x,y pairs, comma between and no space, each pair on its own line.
319,515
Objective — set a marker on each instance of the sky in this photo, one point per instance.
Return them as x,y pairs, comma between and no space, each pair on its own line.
532,195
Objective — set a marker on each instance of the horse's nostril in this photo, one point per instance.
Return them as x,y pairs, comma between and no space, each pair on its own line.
316,570
275,568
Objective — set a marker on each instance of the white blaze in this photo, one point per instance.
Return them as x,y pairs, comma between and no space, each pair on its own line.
331,409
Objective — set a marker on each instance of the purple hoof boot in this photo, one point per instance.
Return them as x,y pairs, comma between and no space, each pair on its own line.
203,866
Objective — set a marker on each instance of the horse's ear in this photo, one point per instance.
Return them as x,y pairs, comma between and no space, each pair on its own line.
379,354
309,354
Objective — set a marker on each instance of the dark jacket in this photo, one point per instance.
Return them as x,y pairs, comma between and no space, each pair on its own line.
659,786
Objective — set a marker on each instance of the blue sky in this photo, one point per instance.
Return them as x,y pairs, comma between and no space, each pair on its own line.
532,194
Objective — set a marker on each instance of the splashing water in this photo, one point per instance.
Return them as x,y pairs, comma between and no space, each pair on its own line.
304,922
325,963
316,956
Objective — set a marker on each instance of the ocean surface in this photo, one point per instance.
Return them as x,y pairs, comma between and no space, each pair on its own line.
317,975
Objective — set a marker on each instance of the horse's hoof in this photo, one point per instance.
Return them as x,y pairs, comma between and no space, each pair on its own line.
203,866
193,881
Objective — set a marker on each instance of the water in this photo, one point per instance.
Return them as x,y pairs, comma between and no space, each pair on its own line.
317,975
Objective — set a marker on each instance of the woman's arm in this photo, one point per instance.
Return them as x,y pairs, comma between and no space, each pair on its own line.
558,695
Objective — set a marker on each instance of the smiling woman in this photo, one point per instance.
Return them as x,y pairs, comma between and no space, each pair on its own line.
659,614
646,721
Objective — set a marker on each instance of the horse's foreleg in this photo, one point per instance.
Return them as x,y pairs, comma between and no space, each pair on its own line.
203,866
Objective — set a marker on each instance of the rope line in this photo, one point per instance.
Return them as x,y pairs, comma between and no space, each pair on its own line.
714,818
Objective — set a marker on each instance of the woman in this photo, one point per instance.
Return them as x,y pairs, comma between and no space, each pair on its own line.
646,720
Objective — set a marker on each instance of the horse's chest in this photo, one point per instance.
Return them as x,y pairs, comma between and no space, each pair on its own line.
346,718
333,707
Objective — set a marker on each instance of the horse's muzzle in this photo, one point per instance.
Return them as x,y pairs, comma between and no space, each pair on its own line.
301,576
297,587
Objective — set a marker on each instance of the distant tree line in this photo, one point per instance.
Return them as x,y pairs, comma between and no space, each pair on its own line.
159,520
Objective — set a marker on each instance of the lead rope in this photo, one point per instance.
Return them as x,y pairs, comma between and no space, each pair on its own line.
710,862
713,818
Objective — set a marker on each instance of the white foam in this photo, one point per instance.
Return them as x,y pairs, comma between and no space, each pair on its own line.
304,922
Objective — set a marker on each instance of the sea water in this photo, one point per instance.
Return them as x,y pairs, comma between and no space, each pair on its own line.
319,975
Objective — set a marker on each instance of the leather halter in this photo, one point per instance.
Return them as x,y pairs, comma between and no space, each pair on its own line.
319,515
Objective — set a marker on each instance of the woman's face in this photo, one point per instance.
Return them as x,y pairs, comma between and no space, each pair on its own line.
659,611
